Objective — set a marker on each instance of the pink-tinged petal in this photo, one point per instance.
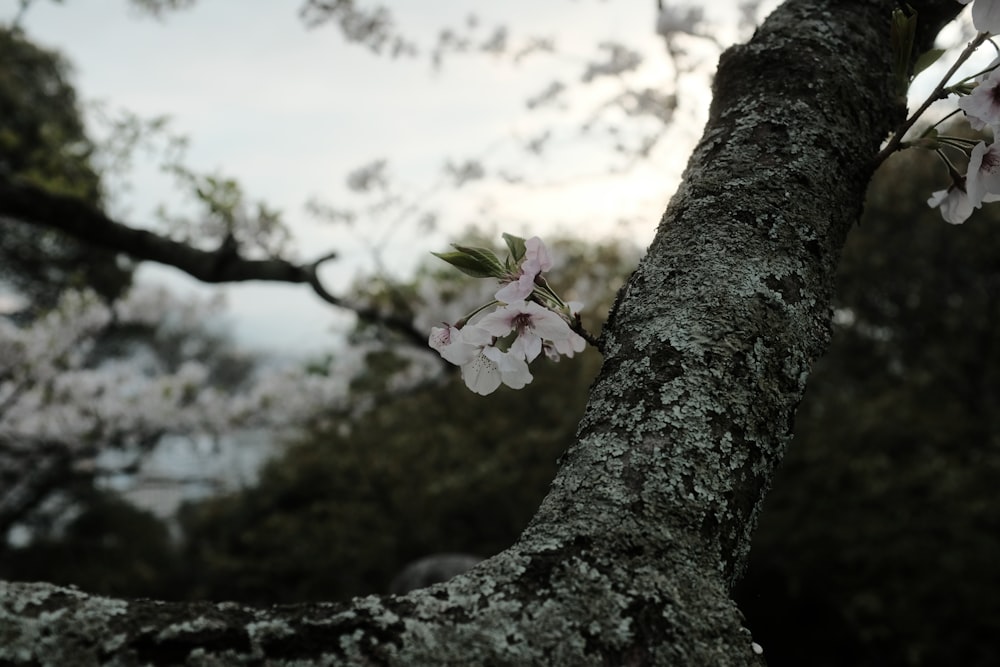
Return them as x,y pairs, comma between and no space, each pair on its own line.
517,287
450,344
481,375
533,324
440,337
545,323
517,290
554,328
536,257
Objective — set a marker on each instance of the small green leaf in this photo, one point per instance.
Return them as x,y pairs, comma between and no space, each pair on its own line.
926,59
487,259
516,246
465,263
476,262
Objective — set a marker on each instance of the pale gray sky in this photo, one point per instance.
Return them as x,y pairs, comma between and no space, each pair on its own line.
289,112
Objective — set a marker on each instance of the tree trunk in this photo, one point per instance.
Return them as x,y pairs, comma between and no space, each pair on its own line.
631,558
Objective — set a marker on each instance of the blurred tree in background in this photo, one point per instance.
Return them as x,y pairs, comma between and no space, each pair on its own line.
42,140
78,348
879,540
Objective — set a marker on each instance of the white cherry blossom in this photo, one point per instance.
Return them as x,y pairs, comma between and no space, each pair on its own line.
982,105
983,180
491,367
956,207
53,386
533,324
451,346
985,15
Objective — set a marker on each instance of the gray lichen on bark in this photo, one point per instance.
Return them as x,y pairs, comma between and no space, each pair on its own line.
632,555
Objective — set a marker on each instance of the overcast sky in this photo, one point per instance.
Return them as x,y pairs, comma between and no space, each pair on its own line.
289,112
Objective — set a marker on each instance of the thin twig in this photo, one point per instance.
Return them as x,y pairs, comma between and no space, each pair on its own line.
936,94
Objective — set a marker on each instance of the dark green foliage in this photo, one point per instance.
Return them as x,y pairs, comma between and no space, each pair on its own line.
440,469
42,140
110,547
879,542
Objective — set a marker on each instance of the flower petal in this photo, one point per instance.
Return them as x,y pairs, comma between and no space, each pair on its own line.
451,345
954,203
986,16
481,375
982,105
984,173
513,369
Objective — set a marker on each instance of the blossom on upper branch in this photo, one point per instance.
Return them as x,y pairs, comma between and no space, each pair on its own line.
982,105
980,185
985,15
983,180
495,348
484,366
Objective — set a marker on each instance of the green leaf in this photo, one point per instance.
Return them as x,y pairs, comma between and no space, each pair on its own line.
926,59
476,262
464,263
516,246
486,258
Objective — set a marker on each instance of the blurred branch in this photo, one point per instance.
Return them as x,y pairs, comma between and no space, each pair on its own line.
401,325
36,206
22,9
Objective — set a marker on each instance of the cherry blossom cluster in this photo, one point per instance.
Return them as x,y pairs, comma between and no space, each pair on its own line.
55,382
980,101
527,320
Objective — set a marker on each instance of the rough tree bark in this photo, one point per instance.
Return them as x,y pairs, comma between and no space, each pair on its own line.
632,555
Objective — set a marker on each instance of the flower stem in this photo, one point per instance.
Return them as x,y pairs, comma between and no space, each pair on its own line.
577,327
936,94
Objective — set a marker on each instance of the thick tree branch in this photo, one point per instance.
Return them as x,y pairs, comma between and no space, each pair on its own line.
36,206
33,205
632,555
